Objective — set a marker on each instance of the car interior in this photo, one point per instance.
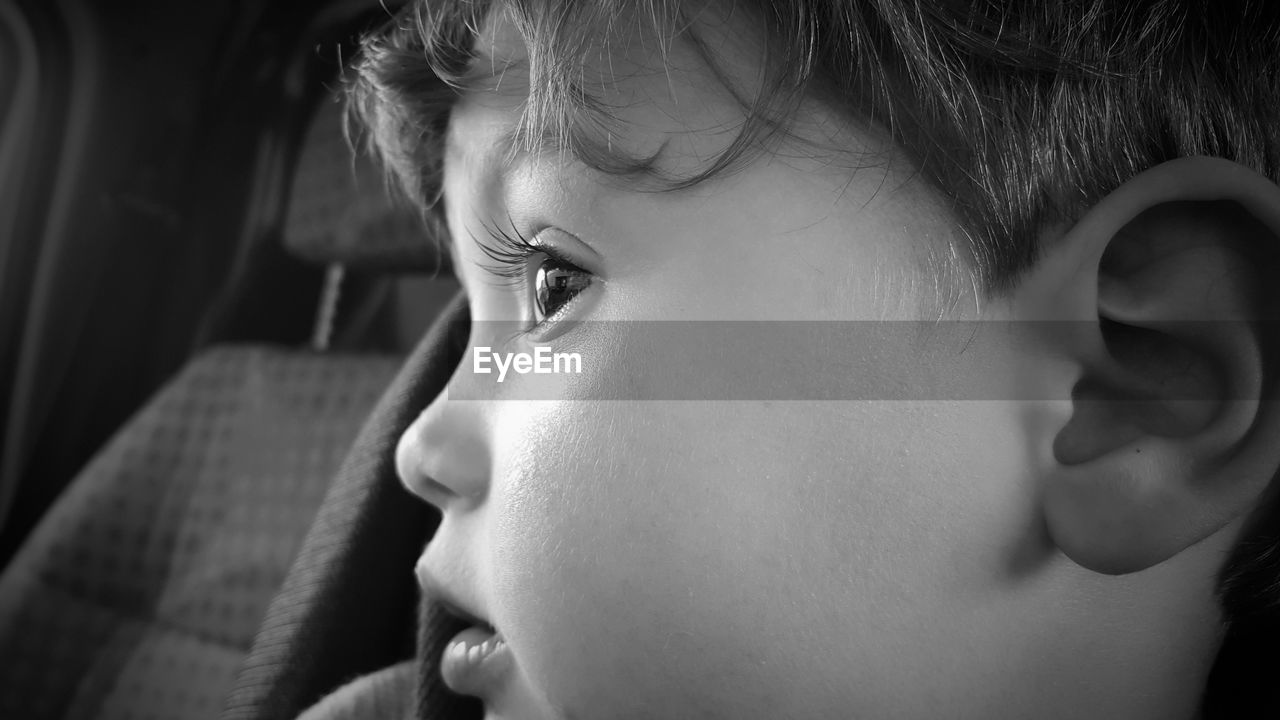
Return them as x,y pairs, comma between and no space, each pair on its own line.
206,286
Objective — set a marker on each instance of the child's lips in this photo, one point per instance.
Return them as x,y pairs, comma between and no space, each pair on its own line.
475,662
477,659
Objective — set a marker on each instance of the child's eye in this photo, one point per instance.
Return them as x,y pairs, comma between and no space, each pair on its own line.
555,284
538,270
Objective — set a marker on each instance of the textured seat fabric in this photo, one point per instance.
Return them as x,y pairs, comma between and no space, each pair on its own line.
388,694
140,593
348,607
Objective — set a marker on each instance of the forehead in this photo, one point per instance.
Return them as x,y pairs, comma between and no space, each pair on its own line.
641,94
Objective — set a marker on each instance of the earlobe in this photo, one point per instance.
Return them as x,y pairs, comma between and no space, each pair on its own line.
1171,436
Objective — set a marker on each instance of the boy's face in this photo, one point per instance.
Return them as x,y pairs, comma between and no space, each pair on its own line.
733,559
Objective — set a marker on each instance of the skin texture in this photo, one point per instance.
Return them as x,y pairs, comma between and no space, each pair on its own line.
764,559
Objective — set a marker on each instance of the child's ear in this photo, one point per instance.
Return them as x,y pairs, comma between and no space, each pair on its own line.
1171,437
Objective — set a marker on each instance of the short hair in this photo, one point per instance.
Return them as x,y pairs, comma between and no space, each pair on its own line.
1023,115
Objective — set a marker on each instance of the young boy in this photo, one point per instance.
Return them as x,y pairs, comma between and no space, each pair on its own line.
1063,509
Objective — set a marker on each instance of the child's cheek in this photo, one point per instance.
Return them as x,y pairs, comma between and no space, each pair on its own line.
614,567
638,558
639,561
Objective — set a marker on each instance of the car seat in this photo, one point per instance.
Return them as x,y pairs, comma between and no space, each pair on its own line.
349,604
140,592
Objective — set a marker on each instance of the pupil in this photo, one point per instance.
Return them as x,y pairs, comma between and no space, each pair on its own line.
556,285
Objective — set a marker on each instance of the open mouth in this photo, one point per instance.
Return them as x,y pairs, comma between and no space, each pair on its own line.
474,661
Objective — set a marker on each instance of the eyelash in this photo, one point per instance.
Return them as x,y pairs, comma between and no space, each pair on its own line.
510,253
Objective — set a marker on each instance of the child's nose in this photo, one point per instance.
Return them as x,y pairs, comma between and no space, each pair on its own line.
442,457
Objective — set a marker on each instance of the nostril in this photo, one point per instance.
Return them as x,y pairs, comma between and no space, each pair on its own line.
428,489
437,494
414,473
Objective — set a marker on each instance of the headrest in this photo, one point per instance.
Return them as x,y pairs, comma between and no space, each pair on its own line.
342,211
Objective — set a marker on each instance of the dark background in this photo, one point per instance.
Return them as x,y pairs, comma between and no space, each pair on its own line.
147,151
